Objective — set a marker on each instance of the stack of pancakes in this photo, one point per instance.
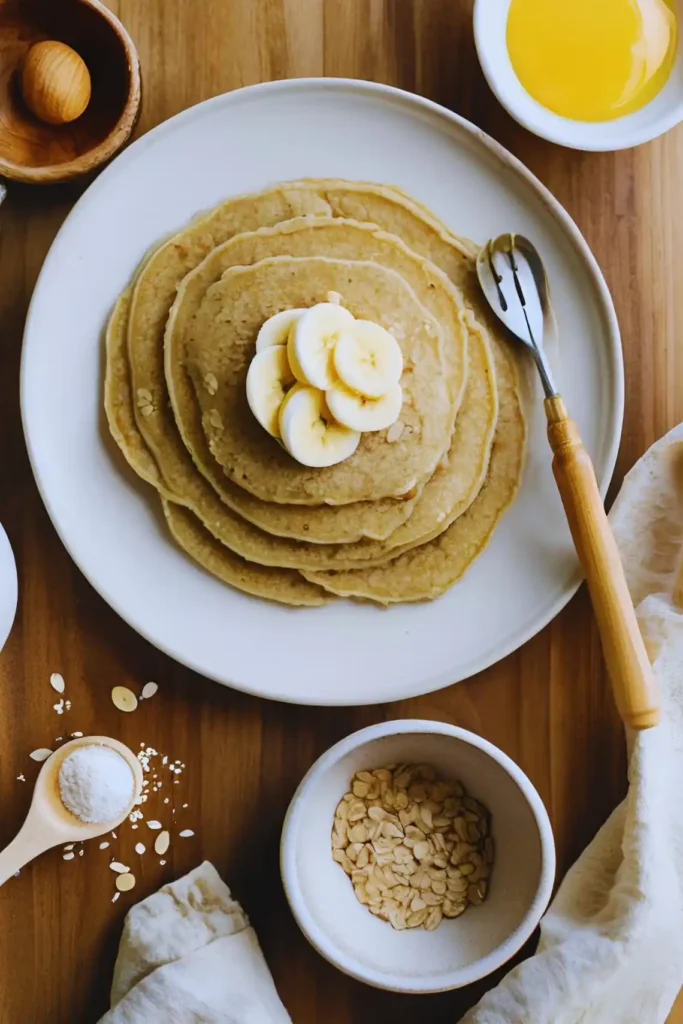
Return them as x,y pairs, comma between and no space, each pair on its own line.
403,517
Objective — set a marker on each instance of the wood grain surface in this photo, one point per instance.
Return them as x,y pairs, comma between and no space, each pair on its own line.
548,706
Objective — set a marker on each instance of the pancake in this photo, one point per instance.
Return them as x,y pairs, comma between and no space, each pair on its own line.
118,399
283,585
338,238
294,522
453,486
220,345
390,210
358,548
426,572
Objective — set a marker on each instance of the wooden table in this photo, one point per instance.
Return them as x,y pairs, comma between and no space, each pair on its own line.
548,705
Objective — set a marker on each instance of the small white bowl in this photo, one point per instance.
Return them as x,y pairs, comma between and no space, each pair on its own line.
662,113
459,951
8,587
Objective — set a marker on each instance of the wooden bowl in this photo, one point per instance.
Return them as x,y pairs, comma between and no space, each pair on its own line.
33,151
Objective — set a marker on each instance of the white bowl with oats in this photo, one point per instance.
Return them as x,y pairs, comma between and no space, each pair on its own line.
416,856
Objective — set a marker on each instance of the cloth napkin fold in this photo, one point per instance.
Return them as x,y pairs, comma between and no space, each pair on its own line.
611,946
189,956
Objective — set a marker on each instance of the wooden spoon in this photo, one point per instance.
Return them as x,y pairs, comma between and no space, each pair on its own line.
513,279
48,822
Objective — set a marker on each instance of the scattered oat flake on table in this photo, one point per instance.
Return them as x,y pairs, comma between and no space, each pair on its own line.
103,846
140,848
70,846
163,863
124,883
115,897
186,833
41,754
57,682
21,778
120,869
76,735
68,856
59,707
81,852
124,699
162,843
148,690
154,825
185,805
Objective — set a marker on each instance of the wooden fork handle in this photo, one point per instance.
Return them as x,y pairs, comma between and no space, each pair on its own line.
634,686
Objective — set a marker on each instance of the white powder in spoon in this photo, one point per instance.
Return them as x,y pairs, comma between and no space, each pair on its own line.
96,784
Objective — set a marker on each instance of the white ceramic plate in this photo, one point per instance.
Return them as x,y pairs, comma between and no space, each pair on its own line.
346,653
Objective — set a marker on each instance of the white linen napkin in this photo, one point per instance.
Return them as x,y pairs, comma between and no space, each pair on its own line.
611,946
189,956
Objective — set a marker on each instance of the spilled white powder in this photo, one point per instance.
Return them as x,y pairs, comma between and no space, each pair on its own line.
96,784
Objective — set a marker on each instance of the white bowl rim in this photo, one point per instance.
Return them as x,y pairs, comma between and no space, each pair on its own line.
589,136
10,583
453,979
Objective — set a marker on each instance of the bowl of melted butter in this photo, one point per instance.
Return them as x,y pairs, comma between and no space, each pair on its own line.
588,74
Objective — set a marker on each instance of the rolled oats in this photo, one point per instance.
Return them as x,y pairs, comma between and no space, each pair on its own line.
416,847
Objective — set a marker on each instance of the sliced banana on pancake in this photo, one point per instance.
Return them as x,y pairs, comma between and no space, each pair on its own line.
275,330
268,381
309,432
368,359
313,340
364,414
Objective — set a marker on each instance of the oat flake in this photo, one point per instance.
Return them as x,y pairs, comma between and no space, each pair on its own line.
148,690
120,869
154,825
140,848
124,699
57,682
41,754
162,843
186,833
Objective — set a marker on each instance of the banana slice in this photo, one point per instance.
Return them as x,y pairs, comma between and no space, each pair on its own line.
269,378
368,359
309,432
364,414
312,342
293,361
275,330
